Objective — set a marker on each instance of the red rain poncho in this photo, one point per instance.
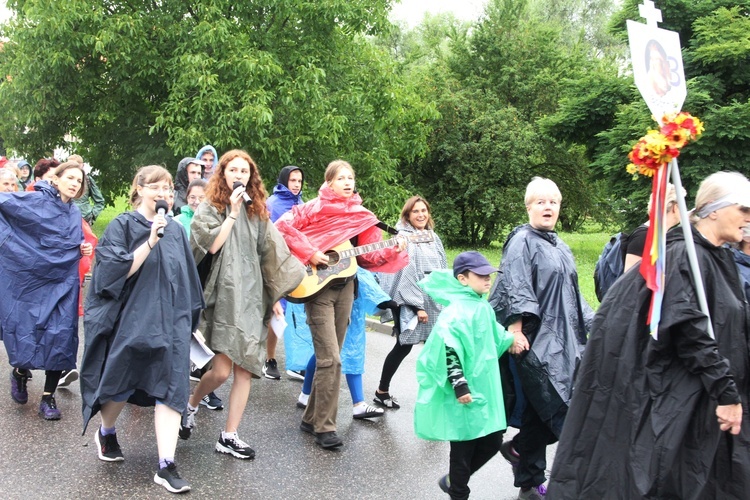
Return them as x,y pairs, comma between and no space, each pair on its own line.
329,220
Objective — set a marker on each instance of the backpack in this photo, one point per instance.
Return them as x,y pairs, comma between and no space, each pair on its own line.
610,265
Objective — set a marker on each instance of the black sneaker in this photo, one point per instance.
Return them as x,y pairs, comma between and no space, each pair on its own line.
509,453
187,423
212,401
67,377
107,447
307,427
195,375
385,400
271,369
328,440
171,480
445,483
234,446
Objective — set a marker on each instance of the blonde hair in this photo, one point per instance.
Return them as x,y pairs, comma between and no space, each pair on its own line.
77,158
60,169
333,169
670,198
539,186
147,175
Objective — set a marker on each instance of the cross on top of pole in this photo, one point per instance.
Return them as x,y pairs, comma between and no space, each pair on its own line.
650,13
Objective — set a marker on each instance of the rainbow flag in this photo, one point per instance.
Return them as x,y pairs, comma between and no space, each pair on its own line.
653,264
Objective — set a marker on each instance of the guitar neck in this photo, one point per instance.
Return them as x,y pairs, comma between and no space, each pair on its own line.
353,252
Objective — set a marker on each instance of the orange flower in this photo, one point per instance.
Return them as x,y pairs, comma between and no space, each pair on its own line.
659,147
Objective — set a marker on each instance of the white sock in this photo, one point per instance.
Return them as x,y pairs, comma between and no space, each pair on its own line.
303,398
193,409
229,435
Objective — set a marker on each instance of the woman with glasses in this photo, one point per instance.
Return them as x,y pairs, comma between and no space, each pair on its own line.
195,194
143,305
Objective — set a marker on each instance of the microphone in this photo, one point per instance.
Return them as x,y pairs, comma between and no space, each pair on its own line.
161,209
245,196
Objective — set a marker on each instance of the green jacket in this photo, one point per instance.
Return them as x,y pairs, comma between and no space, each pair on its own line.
91,203
467,324
185,217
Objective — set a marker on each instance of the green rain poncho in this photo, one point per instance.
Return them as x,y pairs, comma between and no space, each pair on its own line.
467,325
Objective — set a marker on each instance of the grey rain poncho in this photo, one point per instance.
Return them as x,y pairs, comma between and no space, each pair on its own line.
402,286
539,282
253,270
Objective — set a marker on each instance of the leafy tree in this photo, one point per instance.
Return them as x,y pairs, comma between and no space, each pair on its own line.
139,82
715,37
492,88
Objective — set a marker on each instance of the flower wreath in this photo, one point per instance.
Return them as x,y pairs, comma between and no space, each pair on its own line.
661,146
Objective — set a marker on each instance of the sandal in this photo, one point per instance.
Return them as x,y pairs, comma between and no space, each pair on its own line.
369,412
386,400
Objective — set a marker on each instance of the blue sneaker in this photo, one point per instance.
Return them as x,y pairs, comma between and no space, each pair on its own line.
48,408
18,390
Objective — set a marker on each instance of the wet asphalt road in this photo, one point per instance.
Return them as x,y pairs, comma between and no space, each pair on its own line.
381,458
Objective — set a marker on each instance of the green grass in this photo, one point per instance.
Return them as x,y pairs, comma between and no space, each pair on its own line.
109,213
586,247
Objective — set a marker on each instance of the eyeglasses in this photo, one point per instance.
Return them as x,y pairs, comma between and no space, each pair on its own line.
196,198
160,189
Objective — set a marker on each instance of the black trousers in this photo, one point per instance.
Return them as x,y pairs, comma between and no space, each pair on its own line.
531,444
467,457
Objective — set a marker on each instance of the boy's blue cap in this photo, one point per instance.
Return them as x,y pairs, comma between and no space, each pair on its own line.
474,262
22,163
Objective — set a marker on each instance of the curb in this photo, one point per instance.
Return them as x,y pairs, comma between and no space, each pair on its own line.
376,326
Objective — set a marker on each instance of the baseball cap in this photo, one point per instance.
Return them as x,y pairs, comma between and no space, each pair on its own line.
474,262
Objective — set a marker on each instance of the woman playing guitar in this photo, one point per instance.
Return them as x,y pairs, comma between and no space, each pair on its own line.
335,216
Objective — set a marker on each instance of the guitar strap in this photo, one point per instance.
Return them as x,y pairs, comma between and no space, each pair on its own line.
385,227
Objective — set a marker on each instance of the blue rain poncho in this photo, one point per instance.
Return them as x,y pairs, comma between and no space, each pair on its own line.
40,238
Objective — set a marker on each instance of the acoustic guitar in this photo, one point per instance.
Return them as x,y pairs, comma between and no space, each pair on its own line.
342,265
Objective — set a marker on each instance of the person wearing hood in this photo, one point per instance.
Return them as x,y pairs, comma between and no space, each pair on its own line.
208,155
665,416
43,228
537,294
286,194
335,217
188,170
460,397
25,176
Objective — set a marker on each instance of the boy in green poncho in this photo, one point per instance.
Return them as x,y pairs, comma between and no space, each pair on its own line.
460,397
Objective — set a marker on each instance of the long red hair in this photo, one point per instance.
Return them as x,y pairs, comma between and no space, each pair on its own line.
218,192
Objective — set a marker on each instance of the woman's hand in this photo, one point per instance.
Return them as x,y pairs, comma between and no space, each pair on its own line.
86,249
160,221
235,200
278,311
729,417
402,243
520,343
422,316
319,258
